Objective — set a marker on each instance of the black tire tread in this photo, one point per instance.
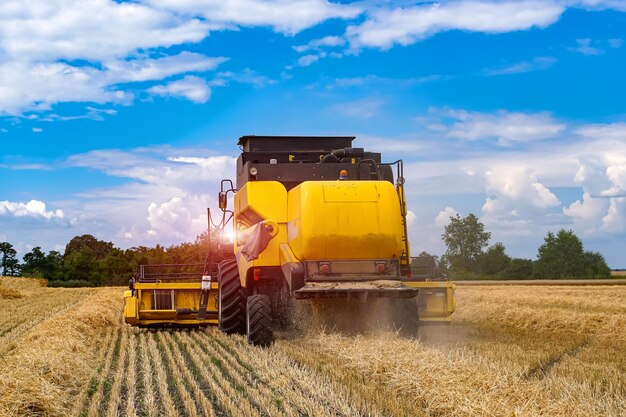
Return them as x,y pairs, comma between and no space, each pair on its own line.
259,320
232,299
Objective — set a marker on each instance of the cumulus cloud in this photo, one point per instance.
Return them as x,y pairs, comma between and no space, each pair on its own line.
173,220
602,176
165,192
146,69
306,60
97,30
586,212
443,217
318,44
612,131
520,186
585,47
502,125
86,50
38,86
245,76
615,219
287,16
192,88
34,208
407,25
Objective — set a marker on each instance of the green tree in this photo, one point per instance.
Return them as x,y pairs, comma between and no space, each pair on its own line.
563,256
494,260
9,263
34,263
81,265
595,266
465,238
116,268
53,266
519,269
99,248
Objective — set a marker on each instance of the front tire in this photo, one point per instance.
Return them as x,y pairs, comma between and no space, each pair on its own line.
231,298
259,320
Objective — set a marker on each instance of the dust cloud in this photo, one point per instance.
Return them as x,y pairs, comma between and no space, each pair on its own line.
351,316
392,317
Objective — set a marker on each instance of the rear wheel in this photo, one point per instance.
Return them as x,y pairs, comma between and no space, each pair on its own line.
232,299
259,320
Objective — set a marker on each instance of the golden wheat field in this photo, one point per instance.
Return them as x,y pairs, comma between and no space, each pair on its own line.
510,351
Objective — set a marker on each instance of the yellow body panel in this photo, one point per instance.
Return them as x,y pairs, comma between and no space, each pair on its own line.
435,300
139,308
344,220
321,220
260,201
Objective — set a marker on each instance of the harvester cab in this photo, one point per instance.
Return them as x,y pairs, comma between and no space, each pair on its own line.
312,217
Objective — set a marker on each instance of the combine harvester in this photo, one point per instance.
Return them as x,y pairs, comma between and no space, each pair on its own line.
313,217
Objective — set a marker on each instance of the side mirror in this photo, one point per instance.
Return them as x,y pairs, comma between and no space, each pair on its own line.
222,200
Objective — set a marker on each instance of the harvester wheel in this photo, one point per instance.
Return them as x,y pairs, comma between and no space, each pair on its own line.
259,320
232,299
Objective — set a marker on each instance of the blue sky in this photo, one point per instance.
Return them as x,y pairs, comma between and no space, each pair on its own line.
119,118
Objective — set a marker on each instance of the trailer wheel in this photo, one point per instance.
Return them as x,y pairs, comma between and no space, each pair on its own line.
259,320
231,298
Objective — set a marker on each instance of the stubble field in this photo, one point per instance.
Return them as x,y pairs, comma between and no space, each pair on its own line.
511,350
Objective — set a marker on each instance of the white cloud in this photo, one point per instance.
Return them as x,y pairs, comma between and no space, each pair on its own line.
37,87
34,208
411,218
82,50
615,219
613,131
306,60
245,76
165,193
518,186
360,109
99,30
146,69
407,25
192,88
502,125
537,63
587,212
37,129
287,16
603,178
584,46
172,220
391,146
318,44
443,217
599,4
92,113
616,43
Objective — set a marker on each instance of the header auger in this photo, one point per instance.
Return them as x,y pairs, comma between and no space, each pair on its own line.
312,217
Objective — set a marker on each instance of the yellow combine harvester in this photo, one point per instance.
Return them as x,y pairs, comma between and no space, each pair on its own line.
312,217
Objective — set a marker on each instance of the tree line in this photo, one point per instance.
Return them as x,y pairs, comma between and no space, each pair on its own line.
88,261
560,256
